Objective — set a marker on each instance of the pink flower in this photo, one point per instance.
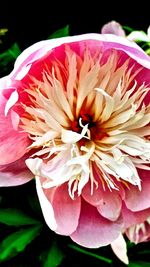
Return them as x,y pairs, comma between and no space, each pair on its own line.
113,27
75,112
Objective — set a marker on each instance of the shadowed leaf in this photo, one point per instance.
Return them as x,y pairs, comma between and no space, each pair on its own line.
15,217
54,256
60,33
139,264
9,55
17,242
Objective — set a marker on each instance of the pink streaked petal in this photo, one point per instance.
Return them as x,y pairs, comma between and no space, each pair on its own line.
15,173
104,41
119,247
66,210
18,141
93,230
135,199
113,27
130,218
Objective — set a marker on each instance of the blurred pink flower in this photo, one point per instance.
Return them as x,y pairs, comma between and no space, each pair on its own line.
75,115
113,27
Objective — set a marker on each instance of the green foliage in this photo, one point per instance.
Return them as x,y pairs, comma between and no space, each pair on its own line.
63,32
83,251
54,256
7,59
148,50
9,55
127,29
139,264
17,242
15,217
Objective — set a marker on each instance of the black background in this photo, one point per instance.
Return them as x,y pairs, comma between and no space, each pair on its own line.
29,22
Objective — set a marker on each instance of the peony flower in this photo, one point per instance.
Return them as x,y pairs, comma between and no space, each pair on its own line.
75,115
113,27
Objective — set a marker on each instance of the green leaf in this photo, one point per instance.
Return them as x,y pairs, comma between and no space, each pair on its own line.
54,256
127,28
9,55
14,50
148,51
139,264
15,217
90,253
17,242
60,33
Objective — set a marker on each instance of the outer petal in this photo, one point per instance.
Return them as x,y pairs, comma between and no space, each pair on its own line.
64,211
138,200
106,41
15,173
119,247
93,230
13,143
46,206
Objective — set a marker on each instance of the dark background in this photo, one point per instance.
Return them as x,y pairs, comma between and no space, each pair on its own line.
29,22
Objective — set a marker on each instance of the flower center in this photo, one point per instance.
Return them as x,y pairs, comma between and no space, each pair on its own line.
85,119
95,131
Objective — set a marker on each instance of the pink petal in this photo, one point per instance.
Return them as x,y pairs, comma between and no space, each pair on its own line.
15,173
103,201
96,196
135,199
103,41
130,218
113,27
93,230
139,233
110,206
119,247
66,210
13,143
